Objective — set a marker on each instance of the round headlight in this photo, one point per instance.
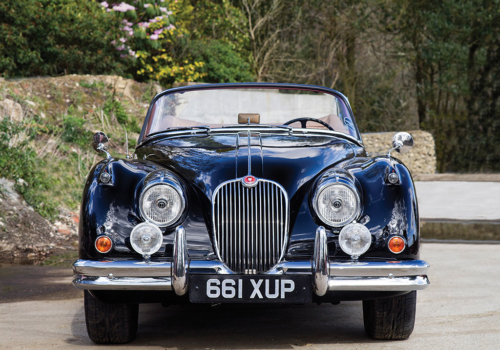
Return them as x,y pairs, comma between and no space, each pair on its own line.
146,239
355,239
161,204
336,204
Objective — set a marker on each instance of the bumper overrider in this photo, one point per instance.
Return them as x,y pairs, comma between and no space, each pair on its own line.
327,275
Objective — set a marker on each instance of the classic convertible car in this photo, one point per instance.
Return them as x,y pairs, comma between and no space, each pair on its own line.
249,193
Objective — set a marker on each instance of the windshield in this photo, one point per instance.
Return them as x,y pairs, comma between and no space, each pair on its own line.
219,107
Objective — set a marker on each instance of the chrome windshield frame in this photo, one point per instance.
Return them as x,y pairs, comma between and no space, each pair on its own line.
250,128
143,139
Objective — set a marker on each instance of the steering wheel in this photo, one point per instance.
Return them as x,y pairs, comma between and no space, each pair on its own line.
303,122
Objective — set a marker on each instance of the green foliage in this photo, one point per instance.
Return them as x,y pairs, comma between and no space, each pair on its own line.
74,131
402,63
455,53
97,85
152,40
221,21
382,102
148,40
20,162
170,42
51,37
222,63
114,107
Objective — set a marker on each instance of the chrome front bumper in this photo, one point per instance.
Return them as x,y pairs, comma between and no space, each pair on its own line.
327,275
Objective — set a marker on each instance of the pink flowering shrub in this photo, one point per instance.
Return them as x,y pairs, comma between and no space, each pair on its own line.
123,7
152,34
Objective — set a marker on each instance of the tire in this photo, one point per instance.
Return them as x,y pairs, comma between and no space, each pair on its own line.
390,318
110,323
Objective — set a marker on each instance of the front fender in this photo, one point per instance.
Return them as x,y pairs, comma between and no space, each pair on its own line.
392,210
111,208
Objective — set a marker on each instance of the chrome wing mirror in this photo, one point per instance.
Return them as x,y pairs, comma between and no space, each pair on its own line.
402,142
100,142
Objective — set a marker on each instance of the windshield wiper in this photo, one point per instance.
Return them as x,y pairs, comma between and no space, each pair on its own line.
289,128
181,128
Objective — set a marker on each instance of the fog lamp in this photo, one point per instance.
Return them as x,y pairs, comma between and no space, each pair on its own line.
146,238
103,244
355,239
397,244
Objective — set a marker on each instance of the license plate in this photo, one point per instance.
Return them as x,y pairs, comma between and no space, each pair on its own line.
250,289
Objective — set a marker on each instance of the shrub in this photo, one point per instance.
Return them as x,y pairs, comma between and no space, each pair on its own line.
222,63
21,162
168,42
52,37
114,107
74,131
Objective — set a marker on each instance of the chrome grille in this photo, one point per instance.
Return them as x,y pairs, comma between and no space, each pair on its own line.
250,225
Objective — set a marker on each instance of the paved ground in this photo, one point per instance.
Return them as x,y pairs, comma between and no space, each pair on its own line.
459,200
460,310
458,177
28,282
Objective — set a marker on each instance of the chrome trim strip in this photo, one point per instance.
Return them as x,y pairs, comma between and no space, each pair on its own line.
379,268
249,147
140,268
122,268
226,130
334,283
291,267
377,284
209,267
179,271
320,263
108,275
122,283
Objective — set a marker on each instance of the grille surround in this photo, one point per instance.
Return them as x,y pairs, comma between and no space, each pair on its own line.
250,224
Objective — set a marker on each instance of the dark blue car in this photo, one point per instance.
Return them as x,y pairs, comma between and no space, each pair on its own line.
249,193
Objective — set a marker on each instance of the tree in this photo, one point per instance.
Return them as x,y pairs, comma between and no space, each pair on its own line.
452,50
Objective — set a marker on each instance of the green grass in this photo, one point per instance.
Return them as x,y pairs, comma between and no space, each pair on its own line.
52,180
53,155
74,131
114,107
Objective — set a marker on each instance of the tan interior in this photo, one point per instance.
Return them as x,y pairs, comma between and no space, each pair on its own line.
173,122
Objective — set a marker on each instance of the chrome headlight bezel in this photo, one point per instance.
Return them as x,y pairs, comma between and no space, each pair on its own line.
331,183
180,193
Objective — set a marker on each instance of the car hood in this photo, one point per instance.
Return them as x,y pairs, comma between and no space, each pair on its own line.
208,161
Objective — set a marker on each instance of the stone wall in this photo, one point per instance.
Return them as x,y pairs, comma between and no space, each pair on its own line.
420,160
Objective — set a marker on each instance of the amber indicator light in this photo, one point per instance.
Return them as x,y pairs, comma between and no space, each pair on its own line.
103,244
396,244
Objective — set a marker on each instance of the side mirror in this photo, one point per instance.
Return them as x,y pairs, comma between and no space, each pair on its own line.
100,142
402,142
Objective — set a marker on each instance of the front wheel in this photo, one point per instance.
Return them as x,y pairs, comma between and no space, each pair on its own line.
390,318
110,323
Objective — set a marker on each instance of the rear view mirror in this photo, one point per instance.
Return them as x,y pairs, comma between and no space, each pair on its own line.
249,118
402,142
100,142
